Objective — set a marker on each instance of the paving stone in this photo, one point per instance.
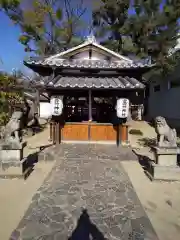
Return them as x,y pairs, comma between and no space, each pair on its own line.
88,193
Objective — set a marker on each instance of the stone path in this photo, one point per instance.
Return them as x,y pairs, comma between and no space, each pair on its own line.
86,196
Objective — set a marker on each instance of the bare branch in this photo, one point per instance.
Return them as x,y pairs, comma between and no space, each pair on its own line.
80,9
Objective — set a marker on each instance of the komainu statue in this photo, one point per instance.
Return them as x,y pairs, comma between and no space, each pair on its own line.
166,137
11,134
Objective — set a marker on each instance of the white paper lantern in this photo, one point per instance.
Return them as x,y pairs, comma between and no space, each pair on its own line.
122,107
45,110
57,105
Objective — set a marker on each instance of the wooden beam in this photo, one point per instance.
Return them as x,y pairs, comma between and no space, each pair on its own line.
48,98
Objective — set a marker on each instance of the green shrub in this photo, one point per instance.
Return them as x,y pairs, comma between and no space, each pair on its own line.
135,132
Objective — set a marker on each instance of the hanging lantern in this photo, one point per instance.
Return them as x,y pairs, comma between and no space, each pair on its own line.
57,105
122,107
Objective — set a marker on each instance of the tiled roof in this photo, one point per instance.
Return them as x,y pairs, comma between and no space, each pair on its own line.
94,82
81,63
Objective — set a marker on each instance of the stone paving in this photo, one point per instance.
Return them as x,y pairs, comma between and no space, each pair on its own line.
86,196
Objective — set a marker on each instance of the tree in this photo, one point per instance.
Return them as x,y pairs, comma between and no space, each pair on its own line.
154,31
47,26
8,99
108,20
150,32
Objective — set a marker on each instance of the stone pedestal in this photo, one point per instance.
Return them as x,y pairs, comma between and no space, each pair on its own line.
165,156
165,166
12,163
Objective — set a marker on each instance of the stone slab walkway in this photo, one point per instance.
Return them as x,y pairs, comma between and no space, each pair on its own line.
86,196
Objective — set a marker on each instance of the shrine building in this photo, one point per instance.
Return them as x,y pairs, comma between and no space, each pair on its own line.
89,79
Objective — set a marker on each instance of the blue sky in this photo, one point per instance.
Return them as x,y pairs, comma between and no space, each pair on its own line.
11,51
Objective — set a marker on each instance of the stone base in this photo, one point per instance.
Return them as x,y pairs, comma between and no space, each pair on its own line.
12,163
166,156
12,145
166,173
20,169
10,156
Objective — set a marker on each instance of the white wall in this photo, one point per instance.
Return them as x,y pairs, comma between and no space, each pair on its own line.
82,55
165,102
85,55
96,55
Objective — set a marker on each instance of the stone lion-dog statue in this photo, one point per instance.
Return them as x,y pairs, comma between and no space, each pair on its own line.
25,117
166,137
12,131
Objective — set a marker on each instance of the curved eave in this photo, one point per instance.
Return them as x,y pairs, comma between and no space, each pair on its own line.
86,88
35,66
101,83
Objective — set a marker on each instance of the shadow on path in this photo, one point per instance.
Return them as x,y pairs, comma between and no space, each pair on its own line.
31,160
85,229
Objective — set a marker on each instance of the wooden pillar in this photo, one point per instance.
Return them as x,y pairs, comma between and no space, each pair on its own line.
124,133
58,133
51,131
54,132
37,102
118,137
90,104
90,114
127,133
